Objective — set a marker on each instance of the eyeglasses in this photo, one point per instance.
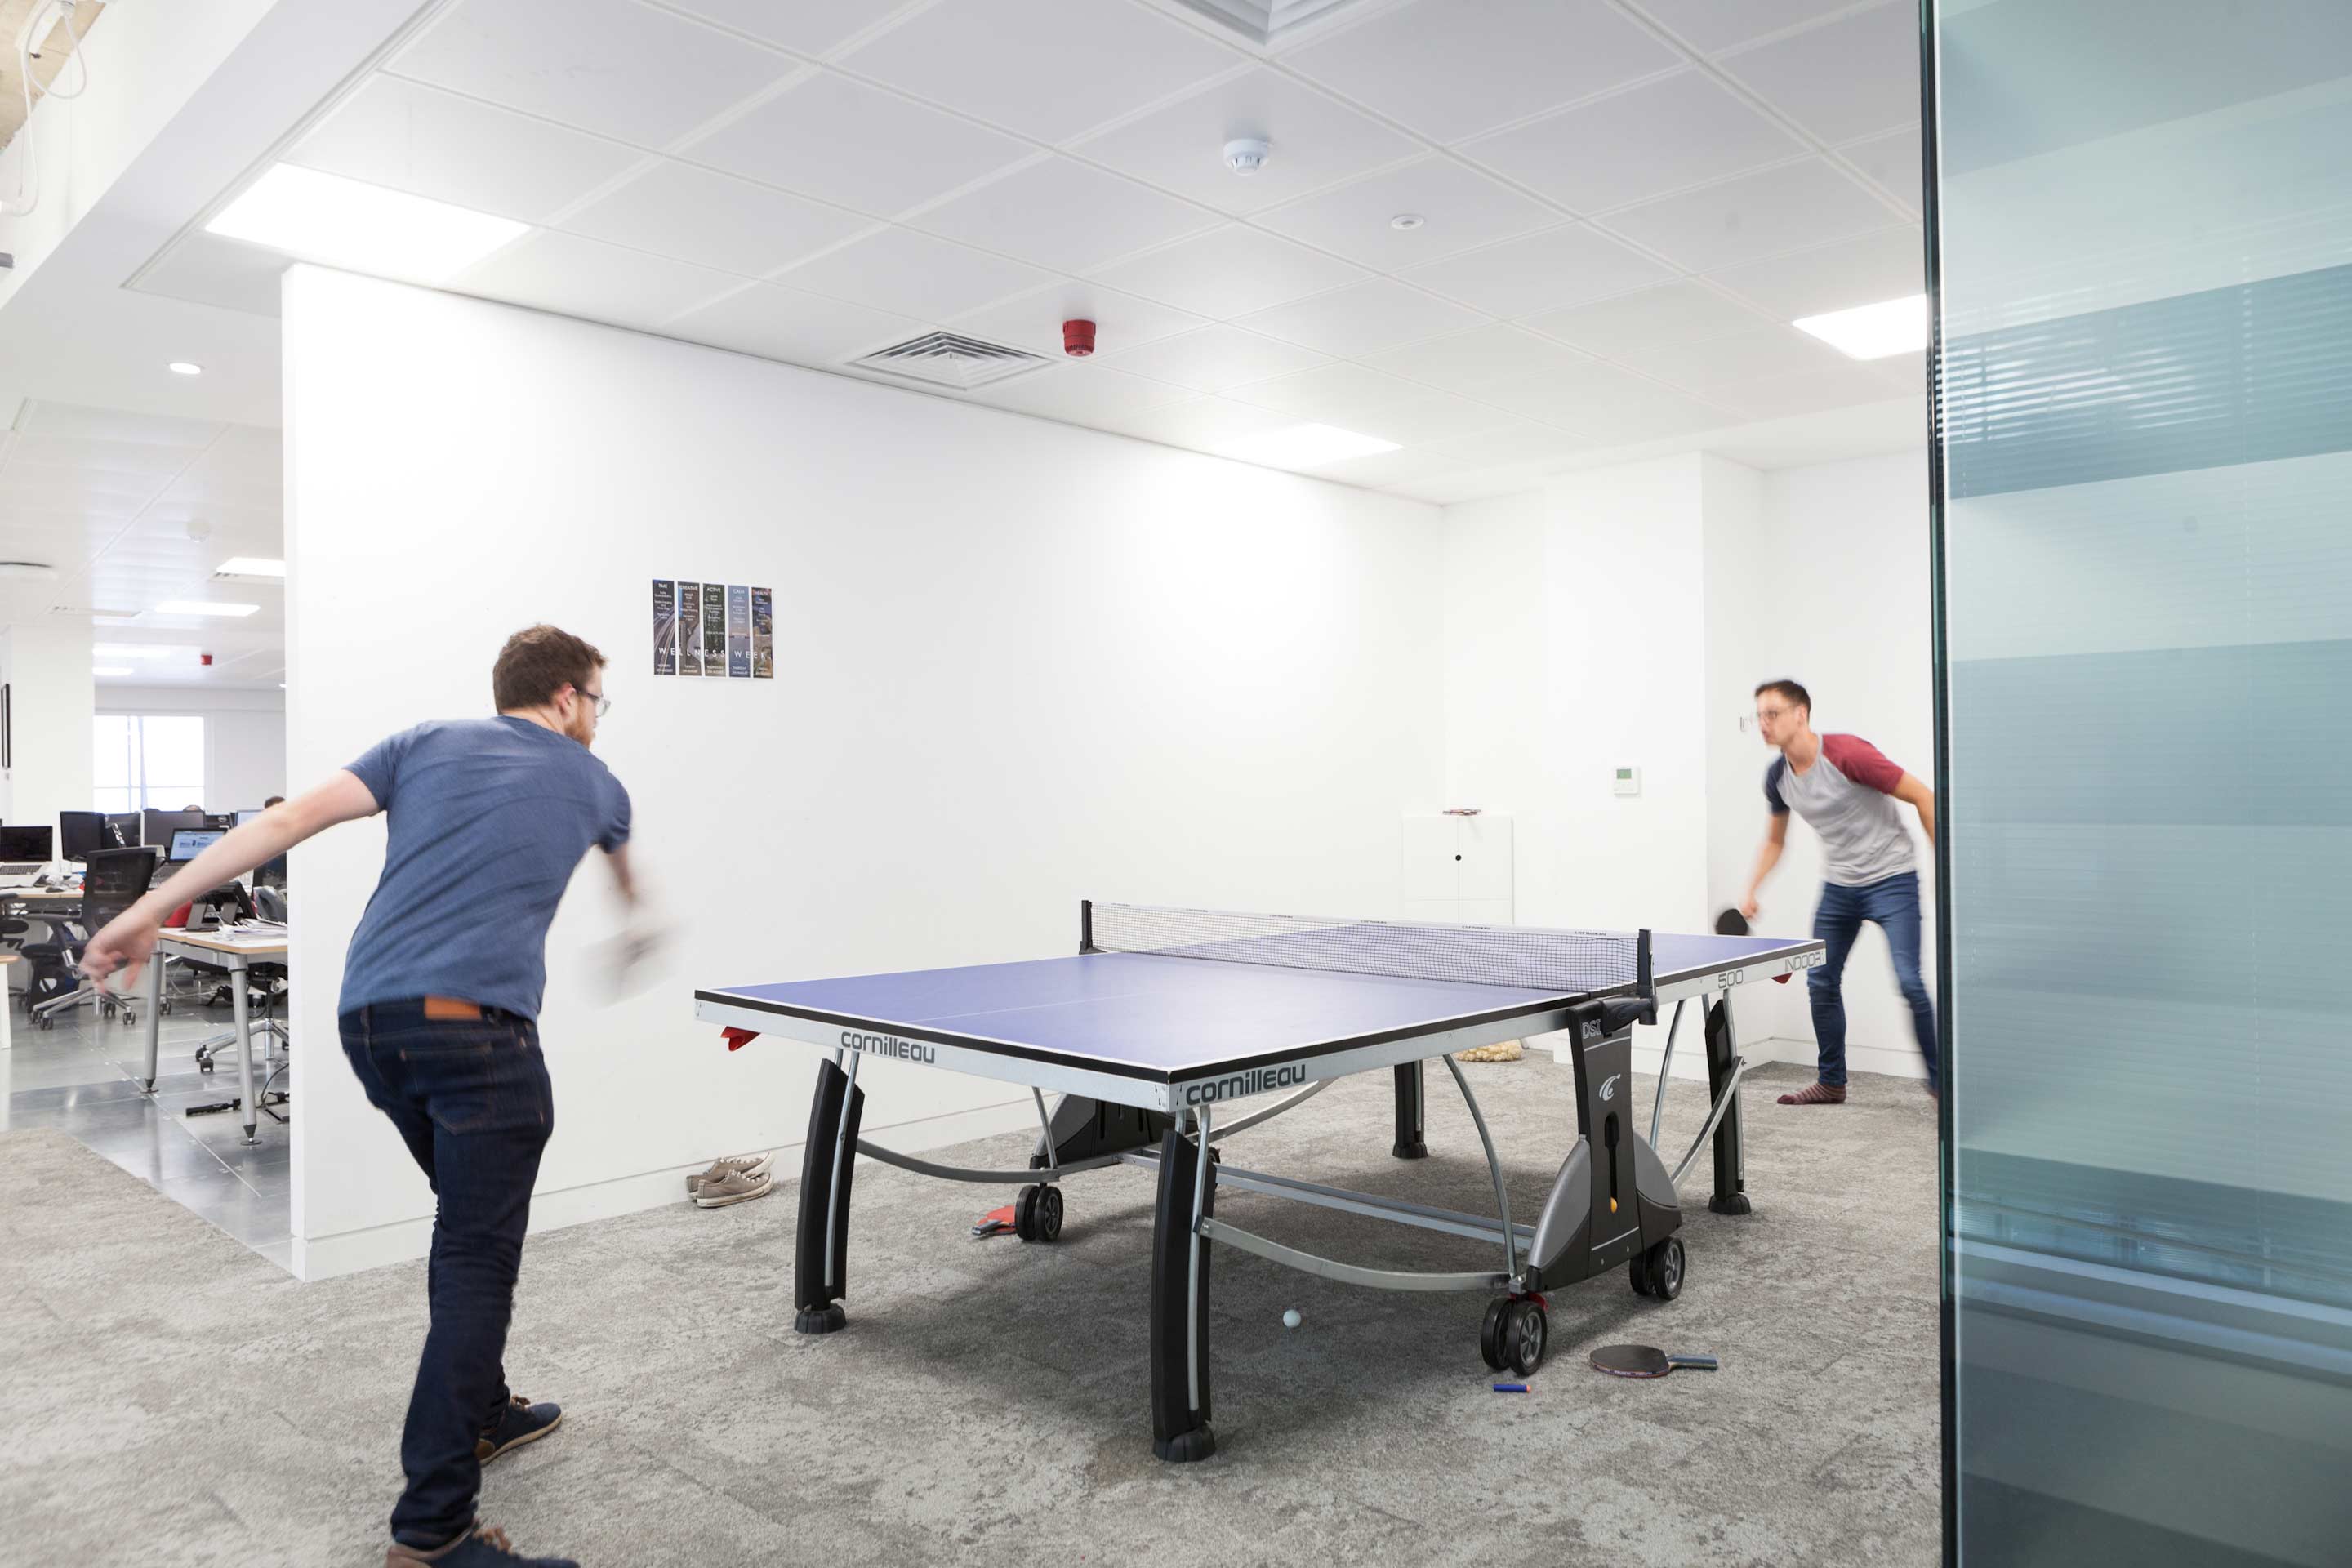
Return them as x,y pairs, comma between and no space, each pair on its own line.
604,703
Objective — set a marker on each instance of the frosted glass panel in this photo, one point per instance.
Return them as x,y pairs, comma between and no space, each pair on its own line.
2143,226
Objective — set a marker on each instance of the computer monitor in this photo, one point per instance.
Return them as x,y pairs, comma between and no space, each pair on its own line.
187,843
123,829
156,828
224,820
26,842
80,833
247,814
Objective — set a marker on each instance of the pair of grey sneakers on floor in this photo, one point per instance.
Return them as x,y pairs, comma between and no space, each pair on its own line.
731,1179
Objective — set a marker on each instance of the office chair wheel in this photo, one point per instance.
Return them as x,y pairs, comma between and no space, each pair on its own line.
1526,1329
1662,1269
1490,1333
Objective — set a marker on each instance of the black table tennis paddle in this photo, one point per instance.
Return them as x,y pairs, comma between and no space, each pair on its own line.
1731,922
1647,1360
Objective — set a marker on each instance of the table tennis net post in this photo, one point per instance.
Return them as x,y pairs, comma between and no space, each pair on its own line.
1564,962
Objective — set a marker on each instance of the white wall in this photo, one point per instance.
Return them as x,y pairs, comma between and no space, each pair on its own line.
1830,591
47,666
1021,663
245,737
1575,645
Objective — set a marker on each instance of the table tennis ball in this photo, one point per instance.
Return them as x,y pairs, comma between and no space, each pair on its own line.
1290,1318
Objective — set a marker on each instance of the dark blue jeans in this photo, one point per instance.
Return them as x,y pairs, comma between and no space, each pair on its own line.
472,1101
1894,905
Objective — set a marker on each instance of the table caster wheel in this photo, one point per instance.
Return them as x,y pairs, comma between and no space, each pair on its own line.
1037,1214
1526,1329
204,1065
1637,1273
1662,1269
1490,1333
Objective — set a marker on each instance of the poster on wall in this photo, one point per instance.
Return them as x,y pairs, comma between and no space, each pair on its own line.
714,630
689,624
739,631
763,634
664,627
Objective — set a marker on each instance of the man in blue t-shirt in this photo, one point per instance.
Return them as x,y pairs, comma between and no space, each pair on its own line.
487,819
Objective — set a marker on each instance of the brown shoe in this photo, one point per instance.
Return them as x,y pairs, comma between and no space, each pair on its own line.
1817,1094
734,1187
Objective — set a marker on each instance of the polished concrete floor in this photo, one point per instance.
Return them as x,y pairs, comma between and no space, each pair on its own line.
82,1077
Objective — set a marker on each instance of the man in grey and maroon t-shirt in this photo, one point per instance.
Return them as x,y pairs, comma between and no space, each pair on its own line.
1846,790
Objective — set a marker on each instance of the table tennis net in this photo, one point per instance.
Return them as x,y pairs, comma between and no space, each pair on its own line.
1565,962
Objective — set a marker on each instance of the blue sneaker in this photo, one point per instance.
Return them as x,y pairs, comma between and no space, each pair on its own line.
483,1546
520,1422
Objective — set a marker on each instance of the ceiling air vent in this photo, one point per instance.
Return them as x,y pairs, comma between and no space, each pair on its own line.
1266,21
943,359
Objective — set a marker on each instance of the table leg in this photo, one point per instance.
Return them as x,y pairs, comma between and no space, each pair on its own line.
242,1005
1730,1195
821,1243
1180,1300
1412,1112
155,1011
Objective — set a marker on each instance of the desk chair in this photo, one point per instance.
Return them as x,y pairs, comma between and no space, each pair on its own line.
117,879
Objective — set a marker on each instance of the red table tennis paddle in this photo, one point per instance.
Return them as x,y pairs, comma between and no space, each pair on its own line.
1648,1360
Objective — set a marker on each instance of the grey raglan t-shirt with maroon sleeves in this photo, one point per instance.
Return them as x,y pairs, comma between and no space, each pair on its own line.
1848,798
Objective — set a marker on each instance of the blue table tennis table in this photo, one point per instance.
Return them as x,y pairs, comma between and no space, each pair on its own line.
1166,1015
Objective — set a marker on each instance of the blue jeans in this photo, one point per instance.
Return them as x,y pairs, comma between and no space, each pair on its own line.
471,1099
1893,904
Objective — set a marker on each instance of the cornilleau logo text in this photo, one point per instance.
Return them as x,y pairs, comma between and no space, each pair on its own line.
890,1045
1257,1080
1609,1087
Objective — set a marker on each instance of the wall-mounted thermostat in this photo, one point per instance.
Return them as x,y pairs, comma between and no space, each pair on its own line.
1629,781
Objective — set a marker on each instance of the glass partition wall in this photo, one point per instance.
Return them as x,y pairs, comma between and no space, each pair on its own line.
2141,231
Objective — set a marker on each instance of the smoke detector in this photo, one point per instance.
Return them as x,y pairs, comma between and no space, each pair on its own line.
1245,155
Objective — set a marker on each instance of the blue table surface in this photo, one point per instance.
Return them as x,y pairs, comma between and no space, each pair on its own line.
1178,1015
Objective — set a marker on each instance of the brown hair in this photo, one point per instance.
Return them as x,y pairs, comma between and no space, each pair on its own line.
1789,692
537,663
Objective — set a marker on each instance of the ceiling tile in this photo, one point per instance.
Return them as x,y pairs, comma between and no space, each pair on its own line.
111,432
1362,319
1451,69
856,146
1315,142
1378,470
1514,441
1033,321
211,270
1333,394
1202,424
409,137
1707,368
1676,312
1608,403
1843,79
1084,394
613,66
1712,25
913,273
1778,398
1462,208
1433,417
1539,272
715,220
1901,372
806,26
786,324
1866,270
1214,358
1469,484
1755,216
1485,356
1048,68
1229,272
1892,162
1061,214
549,270
1660,136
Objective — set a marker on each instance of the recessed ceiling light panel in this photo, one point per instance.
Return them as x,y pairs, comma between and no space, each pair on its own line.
364,227
250,566
1872,332
203,607
185,367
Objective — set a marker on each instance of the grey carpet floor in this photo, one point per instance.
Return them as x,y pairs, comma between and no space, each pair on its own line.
167,1397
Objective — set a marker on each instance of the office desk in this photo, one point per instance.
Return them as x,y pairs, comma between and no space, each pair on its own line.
236,953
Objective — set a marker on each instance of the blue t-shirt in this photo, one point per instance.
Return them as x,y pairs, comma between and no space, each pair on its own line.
489,819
